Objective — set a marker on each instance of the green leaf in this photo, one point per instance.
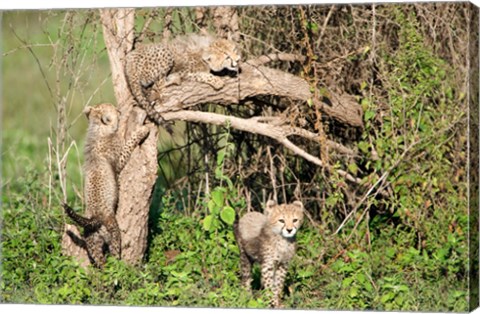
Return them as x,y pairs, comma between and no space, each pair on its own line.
390,252
363,85
399,300
360,278
213,207
229,183
313,27
207,222
302,273
228,215
221,157
347,282
252,303
369,114
368,286
387,297
218,196
353,168
218,173
363,146
366,50
403,288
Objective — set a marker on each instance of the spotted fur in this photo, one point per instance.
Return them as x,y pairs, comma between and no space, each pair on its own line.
106,154
268,239
194,57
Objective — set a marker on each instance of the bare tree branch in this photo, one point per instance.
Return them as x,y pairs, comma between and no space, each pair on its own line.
278,133
255,81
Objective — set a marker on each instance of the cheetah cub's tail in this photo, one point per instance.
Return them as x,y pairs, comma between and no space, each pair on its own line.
91,223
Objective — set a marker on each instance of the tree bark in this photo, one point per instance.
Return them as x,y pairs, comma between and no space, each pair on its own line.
255,81
137,179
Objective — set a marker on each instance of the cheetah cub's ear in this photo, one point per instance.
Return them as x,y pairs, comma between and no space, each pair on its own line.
87,111
299,209
298,204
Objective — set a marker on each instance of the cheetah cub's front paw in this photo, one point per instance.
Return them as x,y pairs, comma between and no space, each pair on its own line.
173,79
217,83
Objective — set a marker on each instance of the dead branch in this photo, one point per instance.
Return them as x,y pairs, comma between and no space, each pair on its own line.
290,130
151,17
168,23
278,133
254,81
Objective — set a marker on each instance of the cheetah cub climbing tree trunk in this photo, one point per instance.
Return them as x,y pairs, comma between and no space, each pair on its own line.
106,154
268,239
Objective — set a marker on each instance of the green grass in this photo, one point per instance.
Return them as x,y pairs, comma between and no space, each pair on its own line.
195,267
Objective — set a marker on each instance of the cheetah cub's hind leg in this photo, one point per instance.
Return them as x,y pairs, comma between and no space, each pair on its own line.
106,154
94,242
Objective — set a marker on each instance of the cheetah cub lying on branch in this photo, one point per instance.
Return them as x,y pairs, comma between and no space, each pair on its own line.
268,239
193,57
106,154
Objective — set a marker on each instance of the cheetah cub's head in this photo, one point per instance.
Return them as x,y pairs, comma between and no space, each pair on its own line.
284,219
103,119
221,55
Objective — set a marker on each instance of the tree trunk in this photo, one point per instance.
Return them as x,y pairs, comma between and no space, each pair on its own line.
176,101
137,179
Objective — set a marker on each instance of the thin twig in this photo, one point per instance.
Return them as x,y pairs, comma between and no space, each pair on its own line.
146,25
272,173
325,22
29,47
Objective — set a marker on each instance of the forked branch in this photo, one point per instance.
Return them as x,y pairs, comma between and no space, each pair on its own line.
253,81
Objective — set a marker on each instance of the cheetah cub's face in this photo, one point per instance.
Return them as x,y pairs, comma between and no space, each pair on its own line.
222,54
102,119
284,219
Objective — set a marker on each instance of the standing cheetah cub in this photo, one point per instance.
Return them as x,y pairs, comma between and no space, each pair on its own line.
106,154
193,57
268,239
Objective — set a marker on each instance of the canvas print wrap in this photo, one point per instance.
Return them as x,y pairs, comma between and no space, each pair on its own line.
317,157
